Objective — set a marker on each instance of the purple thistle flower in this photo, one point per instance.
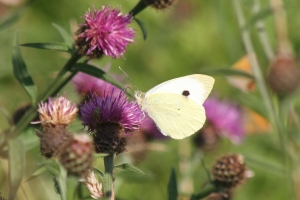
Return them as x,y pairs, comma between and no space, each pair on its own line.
105,31
86,84
226,118
150,129
110,109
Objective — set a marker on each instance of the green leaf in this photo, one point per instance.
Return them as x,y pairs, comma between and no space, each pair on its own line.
60,183
20,71
107,185
6,115
52,166
13,16
225,72
94,71
65,35
263,13
172,186
37,173
49,46
98,171
16,163
142,27
130,168
72,187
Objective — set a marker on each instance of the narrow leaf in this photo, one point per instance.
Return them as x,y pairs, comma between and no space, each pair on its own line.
52,167
94,71
13,16
64,34
142,27
37,173
6,115
225,72
172,186
60,183
98,171
107,185
100,155
20,71
49,46
130,168
16,163
263,13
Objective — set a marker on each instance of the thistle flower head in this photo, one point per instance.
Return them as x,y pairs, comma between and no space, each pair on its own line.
150,129
58,111
86,84
226,118
110,109
109,119
105,31
230,170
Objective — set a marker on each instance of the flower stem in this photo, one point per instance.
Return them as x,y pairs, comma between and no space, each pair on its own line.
138,8
30,114
109,168
211,188
272,114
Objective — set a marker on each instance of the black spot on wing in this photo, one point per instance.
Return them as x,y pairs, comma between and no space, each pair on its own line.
185,93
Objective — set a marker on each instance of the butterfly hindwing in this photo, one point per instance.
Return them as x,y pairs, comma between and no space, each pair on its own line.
175,115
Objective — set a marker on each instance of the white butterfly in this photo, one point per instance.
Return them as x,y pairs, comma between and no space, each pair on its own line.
176,105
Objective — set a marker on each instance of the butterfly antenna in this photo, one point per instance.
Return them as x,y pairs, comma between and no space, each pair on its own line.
128,78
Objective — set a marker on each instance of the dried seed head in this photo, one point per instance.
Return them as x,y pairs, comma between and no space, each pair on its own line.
284,75
77,155
159,4
93,185
230,170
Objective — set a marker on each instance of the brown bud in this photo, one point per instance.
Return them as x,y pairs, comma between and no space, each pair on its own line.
284,75
159,4
230,170
77,155
52,140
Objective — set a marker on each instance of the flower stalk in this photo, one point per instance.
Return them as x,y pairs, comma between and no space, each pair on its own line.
109,168
30,114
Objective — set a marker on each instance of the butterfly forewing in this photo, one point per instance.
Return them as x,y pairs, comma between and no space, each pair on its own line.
196,87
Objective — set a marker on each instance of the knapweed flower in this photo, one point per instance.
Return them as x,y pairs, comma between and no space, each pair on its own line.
58,111
104,32
230,171
54,116
77,155
86,84
109,119
226,118
150,130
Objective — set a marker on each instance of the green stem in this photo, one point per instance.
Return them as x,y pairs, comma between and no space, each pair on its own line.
273,115
211,188
30,114
138,8
109,168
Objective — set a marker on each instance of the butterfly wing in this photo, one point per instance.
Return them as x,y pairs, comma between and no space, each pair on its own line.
174,114
197,85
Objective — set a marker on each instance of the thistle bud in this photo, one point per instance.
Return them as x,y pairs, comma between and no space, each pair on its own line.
284,75
77,155
230,170
159,4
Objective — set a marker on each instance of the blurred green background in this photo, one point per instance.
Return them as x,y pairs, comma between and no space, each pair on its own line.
183,39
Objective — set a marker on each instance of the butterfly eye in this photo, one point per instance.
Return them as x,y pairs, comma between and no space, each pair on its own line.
185,93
